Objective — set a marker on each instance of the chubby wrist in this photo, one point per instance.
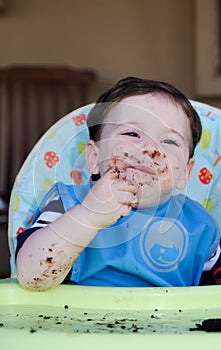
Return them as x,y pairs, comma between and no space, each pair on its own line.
74,227
86,217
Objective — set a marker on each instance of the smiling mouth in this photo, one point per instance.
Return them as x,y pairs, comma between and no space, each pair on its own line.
122,164
142,168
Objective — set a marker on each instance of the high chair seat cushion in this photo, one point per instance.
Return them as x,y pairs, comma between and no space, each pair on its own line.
205,181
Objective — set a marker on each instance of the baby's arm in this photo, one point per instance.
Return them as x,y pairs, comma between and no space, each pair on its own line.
48,254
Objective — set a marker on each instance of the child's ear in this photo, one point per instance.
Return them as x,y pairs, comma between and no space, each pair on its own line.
184,178
92,153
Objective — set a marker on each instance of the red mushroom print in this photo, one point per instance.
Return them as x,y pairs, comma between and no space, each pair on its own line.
50,159
217,275
79,120
205,176
76,175
20,230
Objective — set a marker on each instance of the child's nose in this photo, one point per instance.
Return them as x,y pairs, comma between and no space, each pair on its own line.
149,146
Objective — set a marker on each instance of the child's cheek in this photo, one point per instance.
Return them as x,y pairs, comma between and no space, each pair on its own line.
169,176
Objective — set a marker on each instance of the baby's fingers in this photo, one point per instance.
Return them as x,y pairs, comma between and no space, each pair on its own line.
125,210
127,198
126,186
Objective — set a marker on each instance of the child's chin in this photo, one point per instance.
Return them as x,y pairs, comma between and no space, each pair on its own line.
148,196
139,177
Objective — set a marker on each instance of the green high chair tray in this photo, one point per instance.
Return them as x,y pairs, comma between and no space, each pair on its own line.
108,317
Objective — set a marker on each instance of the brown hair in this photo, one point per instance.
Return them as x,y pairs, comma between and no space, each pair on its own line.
132,86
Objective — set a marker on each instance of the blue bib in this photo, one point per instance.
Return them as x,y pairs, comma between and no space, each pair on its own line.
163,246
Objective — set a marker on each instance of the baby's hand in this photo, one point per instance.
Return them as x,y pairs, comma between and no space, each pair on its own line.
111,197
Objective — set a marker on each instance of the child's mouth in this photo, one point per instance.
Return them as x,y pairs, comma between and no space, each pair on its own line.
142,168
149,166
122,164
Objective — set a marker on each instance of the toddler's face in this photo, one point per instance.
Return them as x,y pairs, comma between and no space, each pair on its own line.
149,138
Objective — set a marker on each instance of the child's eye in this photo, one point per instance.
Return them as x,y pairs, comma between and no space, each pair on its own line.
131,134
171,142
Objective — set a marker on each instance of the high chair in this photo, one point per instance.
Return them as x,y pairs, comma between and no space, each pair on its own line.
120,314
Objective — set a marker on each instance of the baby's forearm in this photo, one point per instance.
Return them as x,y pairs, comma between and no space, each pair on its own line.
48,254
